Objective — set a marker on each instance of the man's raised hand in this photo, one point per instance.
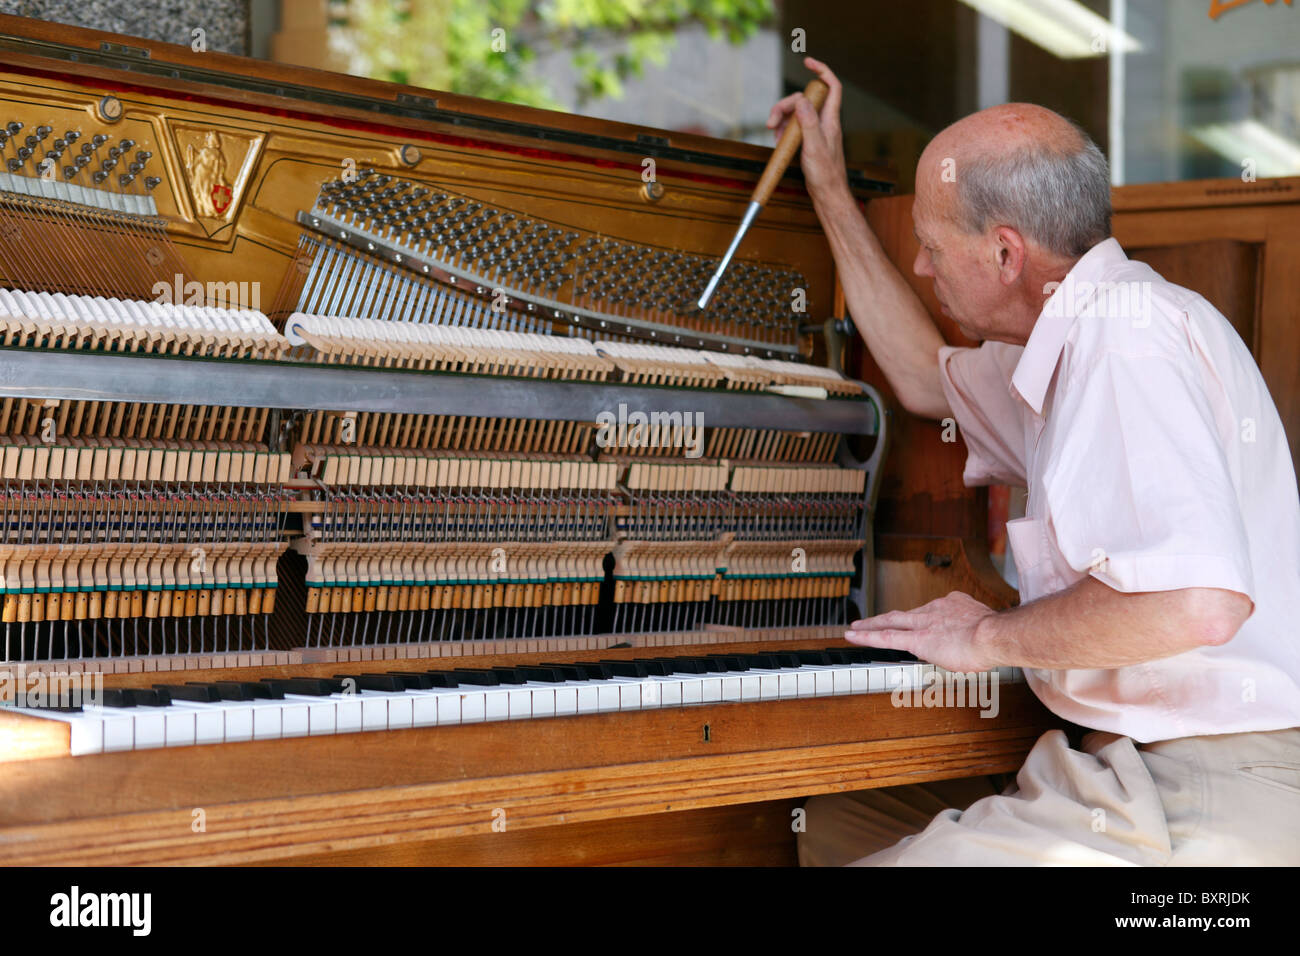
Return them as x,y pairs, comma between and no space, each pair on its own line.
822,154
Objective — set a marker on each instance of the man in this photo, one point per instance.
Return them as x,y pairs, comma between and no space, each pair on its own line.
1159,560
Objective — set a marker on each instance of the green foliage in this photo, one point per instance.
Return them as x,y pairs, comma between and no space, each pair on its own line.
449,44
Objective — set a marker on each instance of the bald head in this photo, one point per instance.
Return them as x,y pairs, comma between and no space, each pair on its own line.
1020,165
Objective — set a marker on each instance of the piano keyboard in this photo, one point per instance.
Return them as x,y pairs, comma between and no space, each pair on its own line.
182,715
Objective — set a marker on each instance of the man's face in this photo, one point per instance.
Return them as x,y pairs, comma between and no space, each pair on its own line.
964,270
964,266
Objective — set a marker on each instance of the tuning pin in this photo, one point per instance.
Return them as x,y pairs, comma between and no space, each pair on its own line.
126,143
126,178
98,177
99,139
72,135
143,156
151,181
14,128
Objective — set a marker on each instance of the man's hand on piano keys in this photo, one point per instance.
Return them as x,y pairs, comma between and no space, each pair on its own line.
941,632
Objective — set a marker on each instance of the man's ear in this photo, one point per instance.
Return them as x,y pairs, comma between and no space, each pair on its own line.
1011,254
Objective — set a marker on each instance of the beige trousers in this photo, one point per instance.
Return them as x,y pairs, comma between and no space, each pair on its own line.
1231,799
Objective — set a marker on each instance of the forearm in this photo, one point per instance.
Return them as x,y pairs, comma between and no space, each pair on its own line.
893,322
1091,625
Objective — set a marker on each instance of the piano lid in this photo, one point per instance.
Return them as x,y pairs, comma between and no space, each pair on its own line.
152,67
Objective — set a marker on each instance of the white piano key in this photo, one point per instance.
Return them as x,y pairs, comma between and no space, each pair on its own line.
119,730
179,727
859,679
842,677
87,736
731,689
566,700
449,709
473,707
150,728
692,690
607,696
496,704
374,711
710,689
348,713
520,704
266,720
543,701
650,693
400,711
629,696
424,710
877,674
295,719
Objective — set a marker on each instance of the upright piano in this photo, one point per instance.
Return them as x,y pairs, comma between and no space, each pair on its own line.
374,494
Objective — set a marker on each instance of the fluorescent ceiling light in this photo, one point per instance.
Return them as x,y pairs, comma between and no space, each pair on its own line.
1273,154
1065,28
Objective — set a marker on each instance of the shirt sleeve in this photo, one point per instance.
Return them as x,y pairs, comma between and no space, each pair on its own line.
1139,488
977,384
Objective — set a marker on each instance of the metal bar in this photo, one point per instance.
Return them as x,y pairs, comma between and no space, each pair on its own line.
114,377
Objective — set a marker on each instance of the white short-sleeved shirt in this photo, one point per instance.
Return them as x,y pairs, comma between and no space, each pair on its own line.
1155,460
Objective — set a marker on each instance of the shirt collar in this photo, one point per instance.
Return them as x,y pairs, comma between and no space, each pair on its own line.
1043,350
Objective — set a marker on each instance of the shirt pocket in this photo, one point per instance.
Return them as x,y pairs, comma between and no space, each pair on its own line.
1033,556
1274,773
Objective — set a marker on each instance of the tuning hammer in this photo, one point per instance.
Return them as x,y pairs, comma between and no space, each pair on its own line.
816,93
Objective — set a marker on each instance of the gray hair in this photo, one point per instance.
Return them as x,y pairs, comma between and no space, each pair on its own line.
1058,198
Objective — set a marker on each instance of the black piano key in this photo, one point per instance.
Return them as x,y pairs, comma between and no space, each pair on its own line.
509,675
541,672
632,668
763,661
135,697
814,657
684,665
442,679
302,686
480,678
595,670
414,680
202,693
880,655
707,665
732,662
386,682
787,659
568,671
851,655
